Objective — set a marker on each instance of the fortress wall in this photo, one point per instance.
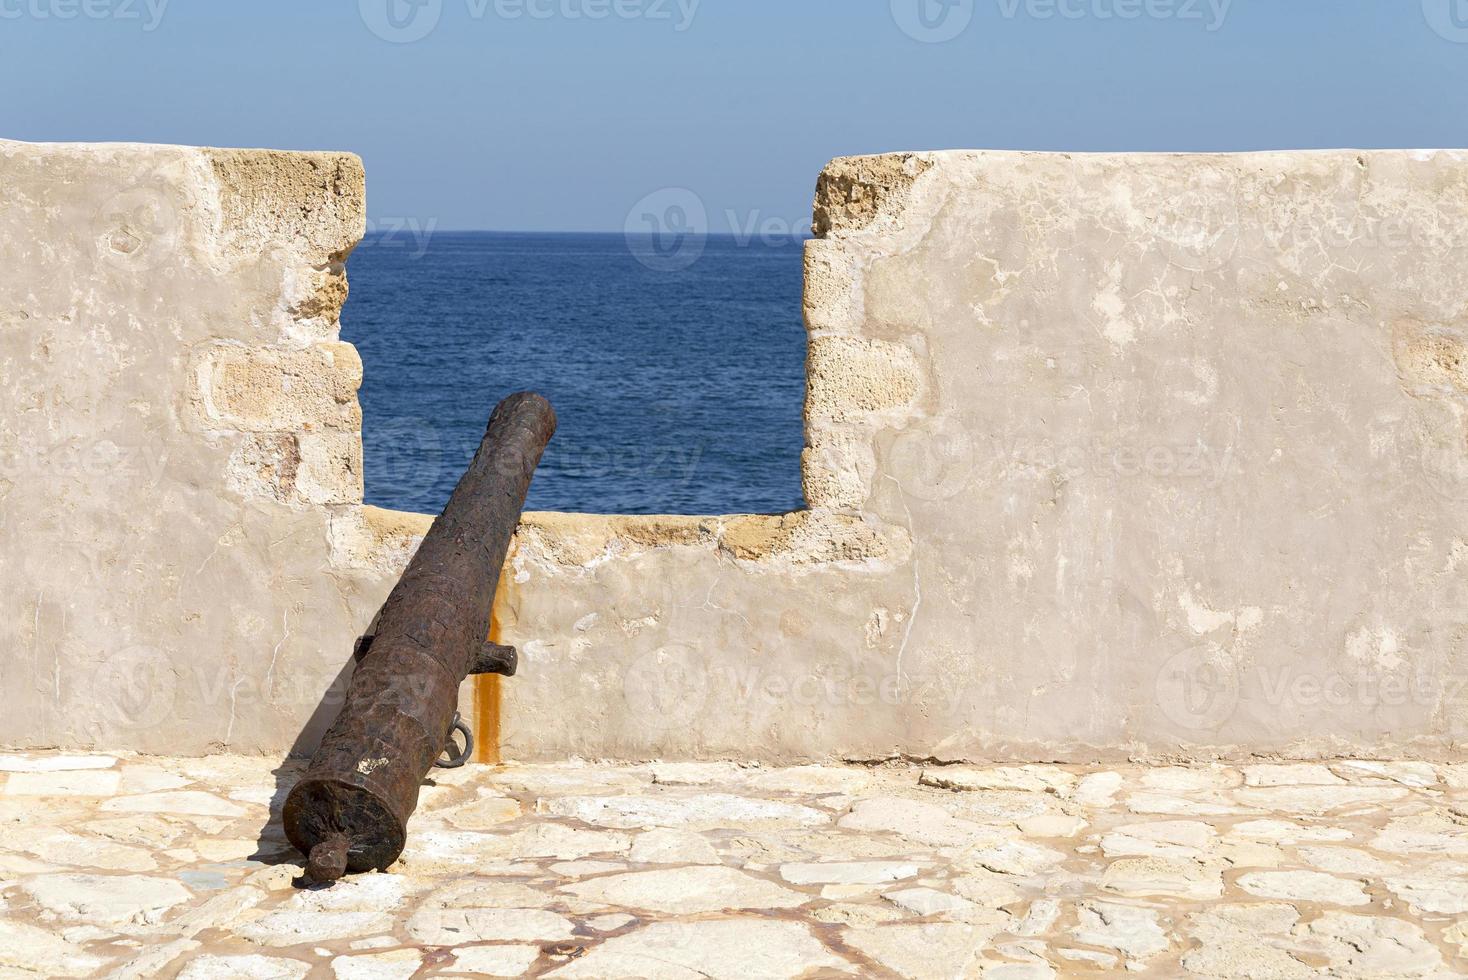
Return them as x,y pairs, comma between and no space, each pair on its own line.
1106,456
178,427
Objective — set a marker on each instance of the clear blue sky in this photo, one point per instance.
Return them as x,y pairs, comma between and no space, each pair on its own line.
521,115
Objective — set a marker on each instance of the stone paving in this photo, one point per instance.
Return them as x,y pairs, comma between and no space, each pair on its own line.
141,867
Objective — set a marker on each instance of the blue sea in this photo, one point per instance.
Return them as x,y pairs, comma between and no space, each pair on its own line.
679,387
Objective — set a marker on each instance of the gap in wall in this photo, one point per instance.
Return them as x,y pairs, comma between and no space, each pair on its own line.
678,391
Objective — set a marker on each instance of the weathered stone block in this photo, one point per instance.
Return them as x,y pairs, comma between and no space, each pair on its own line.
271,389
850,378
299,468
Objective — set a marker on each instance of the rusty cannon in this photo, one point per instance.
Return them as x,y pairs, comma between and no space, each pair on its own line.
349,811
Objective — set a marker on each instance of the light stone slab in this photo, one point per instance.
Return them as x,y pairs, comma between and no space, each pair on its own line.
76,850
610,923
686,891
695,812
925,823
1347,861
695,773
1415,774
1441,891
1291,774
484,814
712,949
65,782
152,961
1133,930
672,846
552,841
1162,838
848,872
362,893
920,951
54,763
1192,781
1098,789
397,965
1243,956
41,952
1316,800
931,902
183,802
811,780
1288,831
106,899
437,926
586,869
1374,946
494,961
249,967
1031,779
1038,919
295,927
1304,886
1014,857
1162,876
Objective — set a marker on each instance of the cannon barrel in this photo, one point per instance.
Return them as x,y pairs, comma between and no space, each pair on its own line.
350,809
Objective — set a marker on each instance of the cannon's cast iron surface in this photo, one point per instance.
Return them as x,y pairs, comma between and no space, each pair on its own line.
350,810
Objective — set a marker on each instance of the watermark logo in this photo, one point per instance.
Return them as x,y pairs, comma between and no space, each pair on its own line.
409,455
1120,461
1444,465
667,688
1198,690
407,21
933,21
135,688
1448,19
138,228
1198,227
769,231
936,461
941,459
671,465
401,21
667,231
1202,688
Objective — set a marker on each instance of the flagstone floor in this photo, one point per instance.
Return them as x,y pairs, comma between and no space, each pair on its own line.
142,867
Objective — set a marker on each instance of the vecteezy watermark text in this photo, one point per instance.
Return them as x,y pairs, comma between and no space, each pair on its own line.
406,21
412,235
1202,689
936,21
148,12
944,458
1210,13
672,686
668,230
